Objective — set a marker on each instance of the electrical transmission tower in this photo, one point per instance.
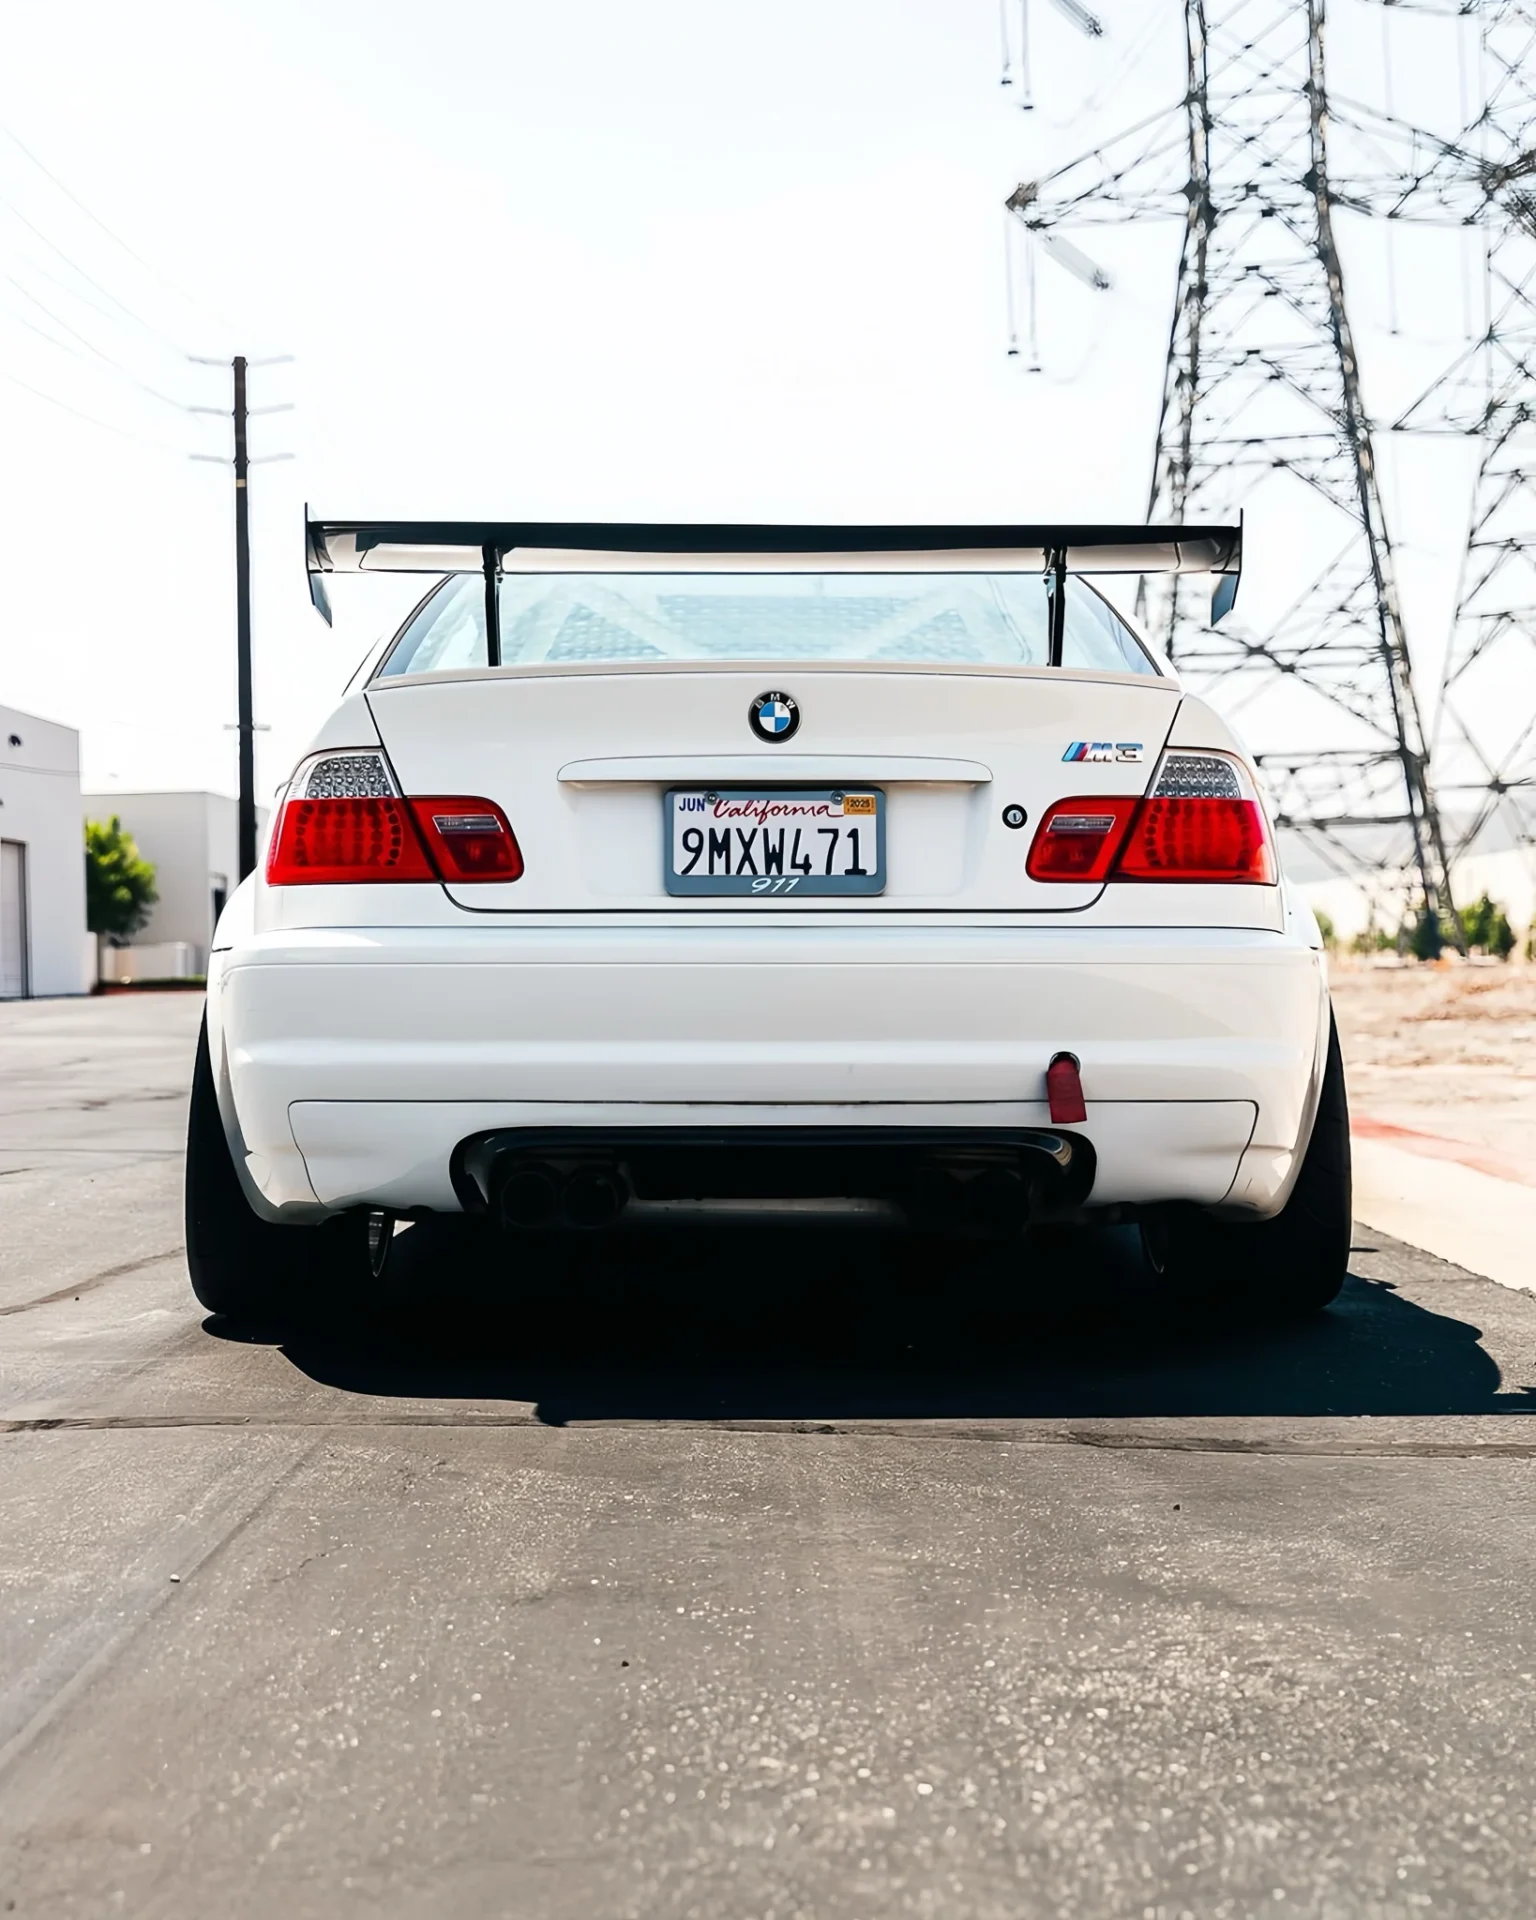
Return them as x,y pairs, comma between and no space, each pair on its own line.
1485,729
1262,400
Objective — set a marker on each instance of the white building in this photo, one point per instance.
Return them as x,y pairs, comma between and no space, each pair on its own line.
44,948
192,840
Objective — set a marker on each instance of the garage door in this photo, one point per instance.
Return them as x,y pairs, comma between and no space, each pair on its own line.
13,919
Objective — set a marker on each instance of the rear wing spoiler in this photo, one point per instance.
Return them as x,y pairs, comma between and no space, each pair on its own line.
542,546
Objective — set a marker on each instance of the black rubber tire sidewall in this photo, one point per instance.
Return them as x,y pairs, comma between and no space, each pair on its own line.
1295,1263
241,1265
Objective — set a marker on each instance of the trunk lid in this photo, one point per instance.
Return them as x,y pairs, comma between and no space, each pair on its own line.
581,760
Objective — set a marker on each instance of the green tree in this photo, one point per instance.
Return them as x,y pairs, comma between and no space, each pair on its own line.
119,882
1326,928
1486,927
1427,940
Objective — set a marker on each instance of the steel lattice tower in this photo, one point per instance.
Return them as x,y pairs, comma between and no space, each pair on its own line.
1485,730
1262,384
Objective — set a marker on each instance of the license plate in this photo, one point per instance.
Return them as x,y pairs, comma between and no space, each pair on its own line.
775,843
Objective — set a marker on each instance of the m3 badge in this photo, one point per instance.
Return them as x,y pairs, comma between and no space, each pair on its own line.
1114,750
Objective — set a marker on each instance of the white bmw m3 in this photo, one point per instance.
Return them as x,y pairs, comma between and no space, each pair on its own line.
660,863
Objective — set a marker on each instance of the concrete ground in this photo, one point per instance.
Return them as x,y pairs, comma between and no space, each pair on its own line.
736,1584
1445,1052
1442,1086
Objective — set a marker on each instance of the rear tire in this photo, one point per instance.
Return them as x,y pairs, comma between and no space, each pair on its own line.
240,1264
1287,1267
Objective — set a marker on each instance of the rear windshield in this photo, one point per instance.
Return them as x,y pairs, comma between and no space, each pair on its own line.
942,619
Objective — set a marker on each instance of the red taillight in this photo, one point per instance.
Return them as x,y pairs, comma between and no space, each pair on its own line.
1201,821
334,841
1198,839
469,839
1078,839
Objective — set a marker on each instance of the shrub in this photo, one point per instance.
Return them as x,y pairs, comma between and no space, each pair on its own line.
1427,939
119,882
1486,927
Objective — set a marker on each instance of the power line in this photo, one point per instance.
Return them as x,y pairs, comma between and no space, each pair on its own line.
63,346
90,345
90,280
94,218
74,293
91,419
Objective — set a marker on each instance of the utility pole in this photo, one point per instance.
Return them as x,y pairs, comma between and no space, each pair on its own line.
246,724
247,718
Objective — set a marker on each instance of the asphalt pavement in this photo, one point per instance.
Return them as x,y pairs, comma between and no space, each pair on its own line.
796,1570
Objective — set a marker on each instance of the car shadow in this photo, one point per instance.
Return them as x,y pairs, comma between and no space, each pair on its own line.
805,1322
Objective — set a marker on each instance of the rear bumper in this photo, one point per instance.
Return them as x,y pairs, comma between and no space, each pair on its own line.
353,1061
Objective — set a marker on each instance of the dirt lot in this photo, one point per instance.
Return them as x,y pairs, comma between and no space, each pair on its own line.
1447,1050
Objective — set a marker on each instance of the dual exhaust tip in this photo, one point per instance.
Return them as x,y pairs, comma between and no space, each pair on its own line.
998,1200
537,1196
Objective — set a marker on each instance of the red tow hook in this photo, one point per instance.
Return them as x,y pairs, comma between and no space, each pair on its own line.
1065,1090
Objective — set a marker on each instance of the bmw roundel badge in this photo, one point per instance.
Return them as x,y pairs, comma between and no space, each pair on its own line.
773,716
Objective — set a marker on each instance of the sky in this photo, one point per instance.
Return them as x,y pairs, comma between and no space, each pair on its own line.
679,261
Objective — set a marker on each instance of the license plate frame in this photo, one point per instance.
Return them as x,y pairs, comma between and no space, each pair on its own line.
766,811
